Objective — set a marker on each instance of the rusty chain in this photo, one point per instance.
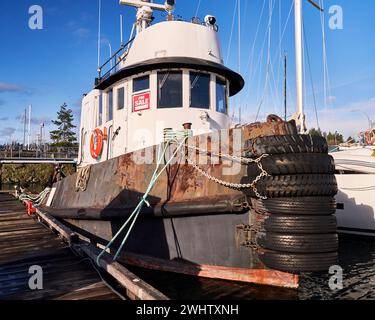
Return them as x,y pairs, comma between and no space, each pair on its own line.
237,186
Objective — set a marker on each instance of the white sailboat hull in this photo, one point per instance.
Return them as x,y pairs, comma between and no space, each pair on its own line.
356,204
356,196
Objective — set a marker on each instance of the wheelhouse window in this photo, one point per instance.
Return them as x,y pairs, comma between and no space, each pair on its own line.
221,96
200,90
120,98
110,105
170,89
100,116
141,84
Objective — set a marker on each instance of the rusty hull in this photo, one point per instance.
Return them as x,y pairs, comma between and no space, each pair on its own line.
120,182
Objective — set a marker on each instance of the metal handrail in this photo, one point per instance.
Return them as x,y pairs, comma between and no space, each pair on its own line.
113,57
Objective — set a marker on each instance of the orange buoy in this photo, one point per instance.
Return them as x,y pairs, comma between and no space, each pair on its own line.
96,143
30,208
370,137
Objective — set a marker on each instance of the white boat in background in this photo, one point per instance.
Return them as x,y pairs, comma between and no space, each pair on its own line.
356,198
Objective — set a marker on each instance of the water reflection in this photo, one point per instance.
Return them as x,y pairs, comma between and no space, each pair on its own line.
357,258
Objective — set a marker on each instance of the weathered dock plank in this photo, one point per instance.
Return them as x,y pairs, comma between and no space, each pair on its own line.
24,242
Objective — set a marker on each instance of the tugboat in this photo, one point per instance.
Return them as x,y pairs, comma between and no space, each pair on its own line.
165,182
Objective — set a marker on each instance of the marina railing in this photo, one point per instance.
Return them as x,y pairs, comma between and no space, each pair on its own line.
56,153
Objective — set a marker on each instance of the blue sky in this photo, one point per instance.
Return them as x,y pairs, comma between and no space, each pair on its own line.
48,67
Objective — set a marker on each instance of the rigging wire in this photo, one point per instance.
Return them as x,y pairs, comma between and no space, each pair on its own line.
311,76
304,101
326,78
198,7
250,62
280,42
260,61
231,32
280,59
271,8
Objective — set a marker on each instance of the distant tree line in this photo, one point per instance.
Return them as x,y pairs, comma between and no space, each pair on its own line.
333,138
38,176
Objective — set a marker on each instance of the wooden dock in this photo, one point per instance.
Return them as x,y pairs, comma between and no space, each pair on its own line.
24,242
70,274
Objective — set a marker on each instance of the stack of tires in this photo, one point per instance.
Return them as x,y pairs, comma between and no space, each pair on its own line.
296,230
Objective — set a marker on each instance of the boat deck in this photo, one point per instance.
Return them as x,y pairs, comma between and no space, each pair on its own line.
24,242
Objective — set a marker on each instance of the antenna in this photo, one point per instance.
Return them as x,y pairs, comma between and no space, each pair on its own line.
121,33
99,31
145,10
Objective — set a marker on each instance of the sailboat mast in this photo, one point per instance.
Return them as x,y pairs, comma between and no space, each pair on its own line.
300,116
285,87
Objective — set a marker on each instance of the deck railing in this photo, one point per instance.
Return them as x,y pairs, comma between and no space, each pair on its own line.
113,62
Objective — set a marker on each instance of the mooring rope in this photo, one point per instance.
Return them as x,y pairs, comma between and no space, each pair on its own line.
171,137
83,176
134,215
37,200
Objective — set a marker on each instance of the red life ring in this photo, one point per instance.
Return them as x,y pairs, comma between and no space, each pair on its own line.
370,137
96,143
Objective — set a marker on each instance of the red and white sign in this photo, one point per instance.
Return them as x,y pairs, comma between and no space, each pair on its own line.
141,102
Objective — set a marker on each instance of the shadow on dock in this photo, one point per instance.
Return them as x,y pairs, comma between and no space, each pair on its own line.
25,242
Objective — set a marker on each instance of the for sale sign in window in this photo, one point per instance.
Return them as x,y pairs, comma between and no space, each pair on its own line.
141,102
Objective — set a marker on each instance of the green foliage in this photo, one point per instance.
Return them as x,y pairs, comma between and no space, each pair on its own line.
64,136
30,174
315,132
333,139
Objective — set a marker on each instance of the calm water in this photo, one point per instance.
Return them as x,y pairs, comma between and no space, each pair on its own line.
357,258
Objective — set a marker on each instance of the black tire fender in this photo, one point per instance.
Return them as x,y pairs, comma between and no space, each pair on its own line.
294,185
298,243
281,144
294,163
295,263
297,224
296,206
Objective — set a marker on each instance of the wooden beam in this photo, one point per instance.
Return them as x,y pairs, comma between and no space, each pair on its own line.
137,288
64,231
258,276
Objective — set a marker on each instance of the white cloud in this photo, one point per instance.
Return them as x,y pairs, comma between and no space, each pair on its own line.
348,119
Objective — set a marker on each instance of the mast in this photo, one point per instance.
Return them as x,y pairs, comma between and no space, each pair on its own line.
29,129
285,87
24,129
299,116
